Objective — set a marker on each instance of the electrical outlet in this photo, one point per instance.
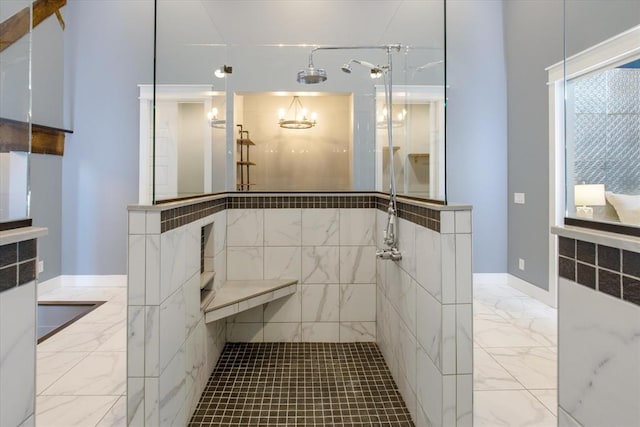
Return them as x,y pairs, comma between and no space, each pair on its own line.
40,266
520,263
518,198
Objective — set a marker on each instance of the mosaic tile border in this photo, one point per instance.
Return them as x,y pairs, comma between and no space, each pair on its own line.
613,271
420,215
302,201
18,263
176,217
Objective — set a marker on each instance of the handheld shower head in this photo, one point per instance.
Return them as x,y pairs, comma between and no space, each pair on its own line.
369,65
346,68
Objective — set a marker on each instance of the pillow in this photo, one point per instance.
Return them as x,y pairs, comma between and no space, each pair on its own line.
627,207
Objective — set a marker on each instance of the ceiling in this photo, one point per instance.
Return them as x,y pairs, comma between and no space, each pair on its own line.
312,22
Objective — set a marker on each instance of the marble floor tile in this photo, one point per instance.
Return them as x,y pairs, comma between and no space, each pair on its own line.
510,408
495,331
68,411
534,367
118,342
81,371
543,329
100,374
515,358
81,336
549,398
116,416
52,366
113,312
489,375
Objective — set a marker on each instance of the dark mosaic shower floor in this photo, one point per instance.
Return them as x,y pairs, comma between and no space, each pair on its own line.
301,384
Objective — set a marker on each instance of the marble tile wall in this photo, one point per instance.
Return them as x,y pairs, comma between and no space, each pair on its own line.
330,251
17,354
18,299
424,318
598,354
171,350
418,310
598,328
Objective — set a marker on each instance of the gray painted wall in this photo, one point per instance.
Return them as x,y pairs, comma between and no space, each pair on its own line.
45,179
476,125
591,22
533,41
108,52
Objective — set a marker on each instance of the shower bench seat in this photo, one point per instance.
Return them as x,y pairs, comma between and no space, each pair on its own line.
235,296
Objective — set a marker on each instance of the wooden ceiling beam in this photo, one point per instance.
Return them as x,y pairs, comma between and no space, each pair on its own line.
17,26
14,136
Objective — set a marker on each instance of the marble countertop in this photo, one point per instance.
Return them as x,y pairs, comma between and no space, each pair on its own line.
21,234
615,240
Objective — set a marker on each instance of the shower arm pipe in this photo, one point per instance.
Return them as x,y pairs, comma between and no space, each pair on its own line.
387,47
390,238
390,235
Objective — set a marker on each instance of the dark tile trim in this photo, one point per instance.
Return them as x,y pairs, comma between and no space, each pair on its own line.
604,226
18,263
420,215
177,217
11,225
174,218
605,269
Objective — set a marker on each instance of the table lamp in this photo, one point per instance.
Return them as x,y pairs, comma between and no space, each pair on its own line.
587,195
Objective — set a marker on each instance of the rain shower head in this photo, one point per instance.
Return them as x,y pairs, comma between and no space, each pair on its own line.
311,75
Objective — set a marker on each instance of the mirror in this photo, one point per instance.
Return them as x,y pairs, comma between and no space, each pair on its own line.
259,48
15,113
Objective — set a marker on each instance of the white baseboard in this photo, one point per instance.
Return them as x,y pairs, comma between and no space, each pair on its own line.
515,282
102,281
497,278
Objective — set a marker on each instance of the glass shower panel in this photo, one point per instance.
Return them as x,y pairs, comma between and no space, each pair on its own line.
240,143
15,109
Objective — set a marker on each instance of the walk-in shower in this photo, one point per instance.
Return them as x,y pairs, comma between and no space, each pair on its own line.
313,75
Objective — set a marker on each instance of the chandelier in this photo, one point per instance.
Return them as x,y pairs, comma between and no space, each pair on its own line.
215,121
398,121
299,118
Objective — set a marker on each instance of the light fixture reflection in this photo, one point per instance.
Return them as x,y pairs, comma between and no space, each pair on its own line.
214,120
398,121
296,116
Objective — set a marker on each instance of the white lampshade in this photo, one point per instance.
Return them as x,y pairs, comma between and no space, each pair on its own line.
589,195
